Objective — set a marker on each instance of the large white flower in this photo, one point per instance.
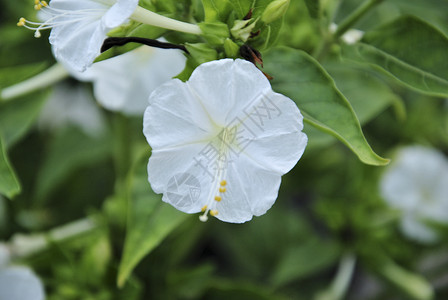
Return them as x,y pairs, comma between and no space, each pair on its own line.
221,141
80,27
416,183
124,83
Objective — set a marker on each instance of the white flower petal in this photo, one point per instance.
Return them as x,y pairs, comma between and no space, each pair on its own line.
80,27
174,117
225,87
277,121
77,47
250,191
124,83
20,283
158,172
119,13
72,105
416,230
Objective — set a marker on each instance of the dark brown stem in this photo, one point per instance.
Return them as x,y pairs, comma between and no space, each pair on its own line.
120,41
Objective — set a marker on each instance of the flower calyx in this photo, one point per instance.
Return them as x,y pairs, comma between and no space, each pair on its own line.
254,56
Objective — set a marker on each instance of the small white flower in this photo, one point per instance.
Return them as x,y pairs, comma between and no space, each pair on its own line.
20,283
124,83
72,104
221,141
417,184
17,282
80,27
351,37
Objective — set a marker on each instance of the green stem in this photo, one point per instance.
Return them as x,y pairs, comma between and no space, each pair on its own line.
326,42
47,78
145,16
342,280
22,246
122,148
348,22
411,283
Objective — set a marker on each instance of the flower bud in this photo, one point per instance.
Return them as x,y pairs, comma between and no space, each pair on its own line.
274,11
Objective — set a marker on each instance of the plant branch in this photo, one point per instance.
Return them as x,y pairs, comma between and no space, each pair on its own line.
145,16
47,78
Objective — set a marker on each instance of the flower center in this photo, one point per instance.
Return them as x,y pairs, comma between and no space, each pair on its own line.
60,17
226,139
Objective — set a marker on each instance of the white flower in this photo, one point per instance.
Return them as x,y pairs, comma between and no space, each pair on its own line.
124,83
351,37
20,283
80,27
221,141
417,184
16,282
72,104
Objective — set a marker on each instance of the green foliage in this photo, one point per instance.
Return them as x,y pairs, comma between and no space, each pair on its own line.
423,69
300,77
16,117
305,260
149,221
313,8
214,32
69,151
9,185
216,10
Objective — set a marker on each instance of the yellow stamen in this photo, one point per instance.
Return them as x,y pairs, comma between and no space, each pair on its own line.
44,3
213,213
204,208
218,198
36,2
38,6
21,22
222,189
223,183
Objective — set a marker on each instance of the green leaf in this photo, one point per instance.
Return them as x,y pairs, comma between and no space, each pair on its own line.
216,10
134,30
408,49
214,32
305,260
150,221
17,117
313,8
365,91
367,102
12,75
301,78
9,185
242,7
70,150
268,36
